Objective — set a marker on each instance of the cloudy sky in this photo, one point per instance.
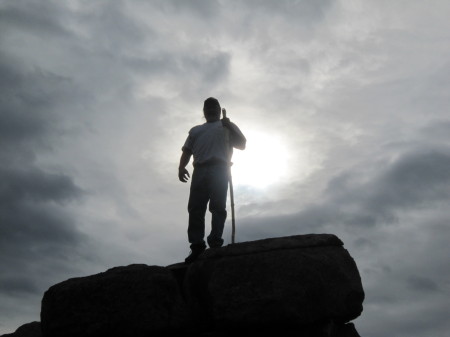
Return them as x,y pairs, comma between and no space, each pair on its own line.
345,105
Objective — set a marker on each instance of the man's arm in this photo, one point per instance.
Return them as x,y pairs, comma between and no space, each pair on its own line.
237,137
183,174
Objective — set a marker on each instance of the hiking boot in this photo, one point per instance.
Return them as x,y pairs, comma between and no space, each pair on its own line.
215,243
195,253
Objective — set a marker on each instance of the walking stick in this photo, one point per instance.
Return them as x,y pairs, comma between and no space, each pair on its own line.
230,179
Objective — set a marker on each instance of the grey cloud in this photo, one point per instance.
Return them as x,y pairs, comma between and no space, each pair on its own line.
35,185
36,231
437,131
422,284
312,220
36,228
211,69
430,91
112,28
18,285
35,234
19,112
31,230
207,68
40,17
31,104
33,221
206,10
363,242
298,10
415,179
31,225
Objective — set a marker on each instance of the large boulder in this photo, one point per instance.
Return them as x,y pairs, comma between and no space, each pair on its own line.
285,282
304,285
137,300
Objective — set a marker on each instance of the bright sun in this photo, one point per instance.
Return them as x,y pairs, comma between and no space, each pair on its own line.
262,163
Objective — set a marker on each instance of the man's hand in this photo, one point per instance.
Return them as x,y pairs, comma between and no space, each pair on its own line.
226,122
183,175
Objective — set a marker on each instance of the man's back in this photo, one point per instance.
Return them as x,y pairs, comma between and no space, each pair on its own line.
207,143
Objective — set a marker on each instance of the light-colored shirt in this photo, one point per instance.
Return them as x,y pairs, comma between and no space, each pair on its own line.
207,143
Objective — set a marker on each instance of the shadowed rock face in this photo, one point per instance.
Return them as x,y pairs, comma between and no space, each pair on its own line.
125,301
32,329
289,282
306,283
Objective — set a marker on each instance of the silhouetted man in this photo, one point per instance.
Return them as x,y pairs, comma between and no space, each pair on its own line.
209,183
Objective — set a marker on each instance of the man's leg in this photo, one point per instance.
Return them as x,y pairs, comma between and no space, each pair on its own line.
198,200
217,204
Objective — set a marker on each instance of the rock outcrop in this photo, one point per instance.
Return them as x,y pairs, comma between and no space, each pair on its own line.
284,282
137,300
32,329
305,285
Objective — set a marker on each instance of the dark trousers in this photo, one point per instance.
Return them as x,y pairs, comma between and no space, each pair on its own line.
209,184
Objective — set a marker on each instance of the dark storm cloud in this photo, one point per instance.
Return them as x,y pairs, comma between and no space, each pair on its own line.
22,116
36,186
35,227
32,231
413,180
18,286
33,102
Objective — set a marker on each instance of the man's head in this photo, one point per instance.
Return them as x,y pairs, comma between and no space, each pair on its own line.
211,109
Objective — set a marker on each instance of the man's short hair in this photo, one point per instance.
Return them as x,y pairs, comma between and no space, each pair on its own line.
211,107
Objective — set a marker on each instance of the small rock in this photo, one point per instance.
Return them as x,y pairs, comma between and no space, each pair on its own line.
32,329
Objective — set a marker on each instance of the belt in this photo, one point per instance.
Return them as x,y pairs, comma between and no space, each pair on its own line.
213,162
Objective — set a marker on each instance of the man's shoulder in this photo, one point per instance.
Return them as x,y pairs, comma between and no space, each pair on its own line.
204,127
195,129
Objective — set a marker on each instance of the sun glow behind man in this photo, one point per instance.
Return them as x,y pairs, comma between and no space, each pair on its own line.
264,162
